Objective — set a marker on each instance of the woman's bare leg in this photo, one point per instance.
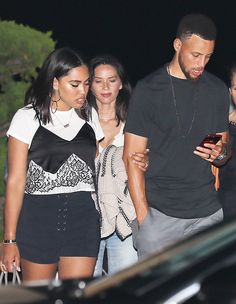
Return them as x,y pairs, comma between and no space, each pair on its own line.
76,267
34,272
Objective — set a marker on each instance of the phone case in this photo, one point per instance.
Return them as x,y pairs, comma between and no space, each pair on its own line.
211,139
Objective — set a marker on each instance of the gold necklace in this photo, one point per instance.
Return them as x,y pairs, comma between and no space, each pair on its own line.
65,125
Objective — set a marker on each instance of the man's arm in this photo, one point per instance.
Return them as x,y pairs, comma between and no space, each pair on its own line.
136,180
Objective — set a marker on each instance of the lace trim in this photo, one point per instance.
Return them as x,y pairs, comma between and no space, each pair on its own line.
73,173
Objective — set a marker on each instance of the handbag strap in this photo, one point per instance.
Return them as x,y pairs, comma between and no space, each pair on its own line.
15,277
3,278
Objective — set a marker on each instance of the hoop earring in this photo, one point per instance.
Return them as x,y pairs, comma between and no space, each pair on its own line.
85,105
56,102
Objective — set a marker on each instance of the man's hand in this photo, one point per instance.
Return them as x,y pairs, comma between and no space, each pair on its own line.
141,214
210,151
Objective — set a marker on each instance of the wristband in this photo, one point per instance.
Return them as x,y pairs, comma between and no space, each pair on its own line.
9,241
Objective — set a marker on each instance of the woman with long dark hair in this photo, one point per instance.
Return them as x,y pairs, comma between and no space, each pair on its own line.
51,224
109,95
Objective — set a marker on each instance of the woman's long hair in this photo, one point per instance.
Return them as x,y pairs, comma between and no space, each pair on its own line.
58,64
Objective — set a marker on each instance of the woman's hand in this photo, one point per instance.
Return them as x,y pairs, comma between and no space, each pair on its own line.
10,258
141,159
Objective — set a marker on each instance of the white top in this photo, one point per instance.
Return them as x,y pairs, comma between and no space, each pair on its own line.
24,125
119,138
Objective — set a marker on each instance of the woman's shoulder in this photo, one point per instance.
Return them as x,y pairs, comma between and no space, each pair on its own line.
23,124
26,112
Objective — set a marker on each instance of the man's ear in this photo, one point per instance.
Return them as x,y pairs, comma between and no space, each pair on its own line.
177,44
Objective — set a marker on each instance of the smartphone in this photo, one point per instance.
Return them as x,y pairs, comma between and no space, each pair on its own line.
210,139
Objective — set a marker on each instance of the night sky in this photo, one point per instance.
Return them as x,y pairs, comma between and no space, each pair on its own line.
138,32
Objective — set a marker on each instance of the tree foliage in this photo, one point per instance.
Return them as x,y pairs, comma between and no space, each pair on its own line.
22,51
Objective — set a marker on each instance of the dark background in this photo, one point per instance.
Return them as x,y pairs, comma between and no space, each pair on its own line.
139,32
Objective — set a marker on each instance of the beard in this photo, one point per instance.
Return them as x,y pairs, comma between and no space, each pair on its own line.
186,72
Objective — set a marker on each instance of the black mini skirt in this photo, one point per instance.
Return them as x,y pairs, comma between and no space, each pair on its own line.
58,225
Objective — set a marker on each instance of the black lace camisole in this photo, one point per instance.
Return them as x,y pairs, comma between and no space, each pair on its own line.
57,165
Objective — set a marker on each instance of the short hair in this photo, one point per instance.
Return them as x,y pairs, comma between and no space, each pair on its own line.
123,97
57,64
198,24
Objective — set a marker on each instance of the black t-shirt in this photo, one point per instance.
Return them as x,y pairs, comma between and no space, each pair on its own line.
178,183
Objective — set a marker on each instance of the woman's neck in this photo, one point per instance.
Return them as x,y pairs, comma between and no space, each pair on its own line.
106,112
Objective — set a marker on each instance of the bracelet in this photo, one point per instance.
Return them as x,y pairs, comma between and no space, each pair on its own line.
9,241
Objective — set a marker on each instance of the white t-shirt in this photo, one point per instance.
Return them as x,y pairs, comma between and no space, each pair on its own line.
24,125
